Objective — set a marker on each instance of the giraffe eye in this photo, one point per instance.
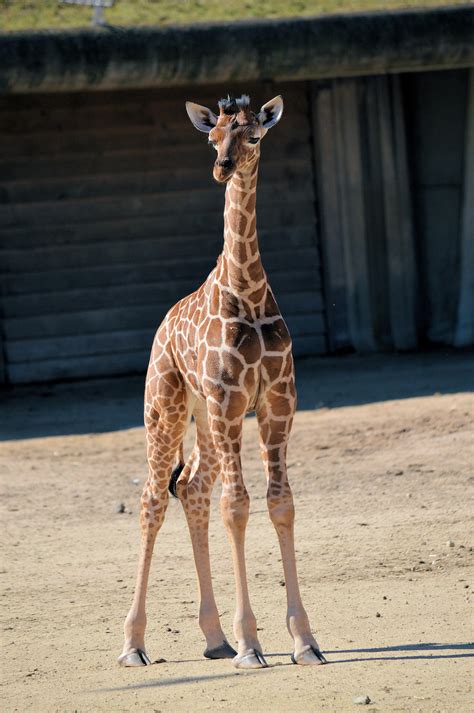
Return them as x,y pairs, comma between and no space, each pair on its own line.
212,143
254,140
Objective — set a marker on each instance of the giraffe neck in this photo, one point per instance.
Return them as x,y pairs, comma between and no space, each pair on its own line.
241,266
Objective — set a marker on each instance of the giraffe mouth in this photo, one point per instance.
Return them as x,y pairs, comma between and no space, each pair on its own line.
222,176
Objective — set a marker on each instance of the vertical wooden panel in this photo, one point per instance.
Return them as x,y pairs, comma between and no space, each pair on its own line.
342,205
464,335
375,211
327,179
353,214
398,214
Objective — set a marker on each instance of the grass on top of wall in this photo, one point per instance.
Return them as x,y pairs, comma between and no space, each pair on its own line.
42,14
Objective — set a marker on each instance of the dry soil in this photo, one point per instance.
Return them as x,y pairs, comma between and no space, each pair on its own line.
381,464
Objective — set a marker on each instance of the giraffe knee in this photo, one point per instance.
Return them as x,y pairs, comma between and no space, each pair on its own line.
153,505
281,508
235,508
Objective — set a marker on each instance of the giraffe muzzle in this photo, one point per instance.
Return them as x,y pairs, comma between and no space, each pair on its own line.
223,169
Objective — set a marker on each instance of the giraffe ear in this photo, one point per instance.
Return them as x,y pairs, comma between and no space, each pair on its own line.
202,117
270,113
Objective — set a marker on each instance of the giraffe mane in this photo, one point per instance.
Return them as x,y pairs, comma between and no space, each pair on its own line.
232,105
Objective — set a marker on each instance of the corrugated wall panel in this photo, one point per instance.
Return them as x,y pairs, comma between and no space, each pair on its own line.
109,215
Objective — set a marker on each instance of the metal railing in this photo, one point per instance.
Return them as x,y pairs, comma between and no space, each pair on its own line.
97,8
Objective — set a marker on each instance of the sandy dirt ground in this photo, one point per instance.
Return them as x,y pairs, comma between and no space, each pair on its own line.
381,464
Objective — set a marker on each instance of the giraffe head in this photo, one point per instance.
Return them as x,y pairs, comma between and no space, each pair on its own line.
236,132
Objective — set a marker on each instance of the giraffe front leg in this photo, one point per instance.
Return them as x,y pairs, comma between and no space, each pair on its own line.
194,489
235,511
225,418
275,420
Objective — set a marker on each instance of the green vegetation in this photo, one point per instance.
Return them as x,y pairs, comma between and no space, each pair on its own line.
36,14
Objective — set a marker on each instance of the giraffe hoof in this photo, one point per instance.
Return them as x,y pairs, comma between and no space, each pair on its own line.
309,656
224,651
134,657
252,659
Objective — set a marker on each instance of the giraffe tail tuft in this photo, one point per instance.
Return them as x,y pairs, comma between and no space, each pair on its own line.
174,479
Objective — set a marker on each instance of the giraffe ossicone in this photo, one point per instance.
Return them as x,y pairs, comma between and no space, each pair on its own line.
220,353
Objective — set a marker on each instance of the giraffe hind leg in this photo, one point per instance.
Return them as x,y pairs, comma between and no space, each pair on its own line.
166,418
194,489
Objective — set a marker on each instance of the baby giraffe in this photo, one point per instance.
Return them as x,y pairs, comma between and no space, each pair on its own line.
220,353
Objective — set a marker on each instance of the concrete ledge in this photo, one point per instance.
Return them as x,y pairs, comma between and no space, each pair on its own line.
287,49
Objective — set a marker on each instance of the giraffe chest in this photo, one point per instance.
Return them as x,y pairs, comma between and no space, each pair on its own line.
233,353
221,339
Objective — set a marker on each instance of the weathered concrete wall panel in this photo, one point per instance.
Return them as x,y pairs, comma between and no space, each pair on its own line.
286,49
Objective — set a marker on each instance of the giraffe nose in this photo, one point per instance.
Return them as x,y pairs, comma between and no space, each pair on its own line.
225,163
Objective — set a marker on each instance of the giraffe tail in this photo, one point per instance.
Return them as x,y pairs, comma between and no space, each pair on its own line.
177,470
174,478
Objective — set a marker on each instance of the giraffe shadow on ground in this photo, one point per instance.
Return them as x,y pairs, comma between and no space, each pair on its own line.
409,652
408,647
180,680
425,651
